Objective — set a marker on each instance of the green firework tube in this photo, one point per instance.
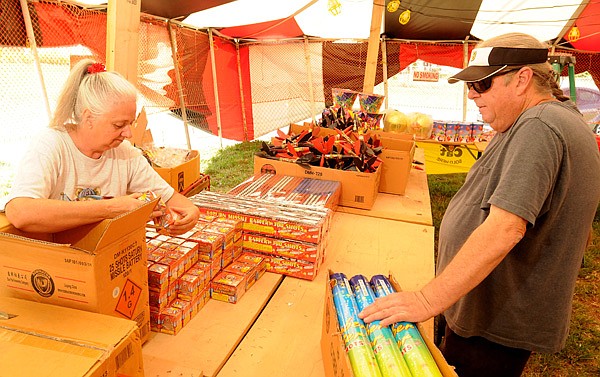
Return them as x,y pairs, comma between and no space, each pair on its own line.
409,339
354,333
388,355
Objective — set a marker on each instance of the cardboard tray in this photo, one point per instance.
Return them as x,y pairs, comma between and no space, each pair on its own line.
335,358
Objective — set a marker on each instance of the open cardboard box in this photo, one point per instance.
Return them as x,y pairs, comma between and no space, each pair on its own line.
359,190
99,267
42,340
179,177
397,156
335,358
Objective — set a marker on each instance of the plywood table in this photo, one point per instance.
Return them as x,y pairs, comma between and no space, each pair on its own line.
413,207
205,343
284,341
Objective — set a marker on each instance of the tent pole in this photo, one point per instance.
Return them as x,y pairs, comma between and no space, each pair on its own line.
242,102
33,45
215,85
373,46
311,92
384,70
173,39
465,89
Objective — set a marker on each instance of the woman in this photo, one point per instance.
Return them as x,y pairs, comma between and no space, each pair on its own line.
82,169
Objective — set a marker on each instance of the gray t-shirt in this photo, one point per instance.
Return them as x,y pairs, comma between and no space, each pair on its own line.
545,169
53,168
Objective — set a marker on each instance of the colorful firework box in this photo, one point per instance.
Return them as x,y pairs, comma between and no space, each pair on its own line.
284,248
283,188
333,350
280,220
292,267
228,287
255,259
245,269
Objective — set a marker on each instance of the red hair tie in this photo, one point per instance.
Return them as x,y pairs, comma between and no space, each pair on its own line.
96,67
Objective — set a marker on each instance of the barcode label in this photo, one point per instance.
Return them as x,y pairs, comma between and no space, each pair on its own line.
359,199
123,356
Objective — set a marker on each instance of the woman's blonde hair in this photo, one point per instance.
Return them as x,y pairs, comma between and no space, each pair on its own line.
98,92
545,78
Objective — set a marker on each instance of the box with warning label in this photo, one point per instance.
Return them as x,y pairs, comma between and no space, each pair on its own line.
99,267
36,340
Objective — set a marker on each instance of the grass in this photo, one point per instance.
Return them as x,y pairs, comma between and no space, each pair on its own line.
581,355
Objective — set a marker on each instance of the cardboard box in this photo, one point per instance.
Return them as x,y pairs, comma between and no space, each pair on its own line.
42,340
182,176
359,189
179,177
99,267
335,358
397,156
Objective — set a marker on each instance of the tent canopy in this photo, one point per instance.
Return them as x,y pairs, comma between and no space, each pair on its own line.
440,20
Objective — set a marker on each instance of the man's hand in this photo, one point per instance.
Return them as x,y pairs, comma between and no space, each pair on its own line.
398,307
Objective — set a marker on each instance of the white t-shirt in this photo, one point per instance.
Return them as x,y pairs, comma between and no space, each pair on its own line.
54,168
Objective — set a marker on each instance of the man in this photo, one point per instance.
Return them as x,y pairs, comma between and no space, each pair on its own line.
513,237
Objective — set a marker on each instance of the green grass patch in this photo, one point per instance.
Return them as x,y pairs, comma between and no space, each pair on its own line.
232,165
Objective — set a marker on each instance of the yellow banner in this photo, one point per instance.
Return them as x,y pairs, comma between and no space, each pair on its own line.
447,158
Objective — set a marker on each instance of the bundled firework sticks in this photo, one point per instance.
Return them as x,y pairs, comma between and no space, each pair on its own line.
388,355
281,220
409,339
352,328
343,149
398,350
282,188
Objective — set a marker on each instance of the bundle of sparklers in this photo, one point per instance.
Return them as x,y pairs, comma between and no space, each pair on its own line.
373,350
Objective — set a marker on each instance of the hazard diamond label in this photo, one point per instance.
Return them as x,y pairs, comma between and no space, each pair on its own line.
130,295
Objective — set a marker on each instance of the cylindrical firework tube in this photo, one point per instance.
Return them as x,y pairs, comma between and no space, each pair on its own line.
388,355
360,353
411,343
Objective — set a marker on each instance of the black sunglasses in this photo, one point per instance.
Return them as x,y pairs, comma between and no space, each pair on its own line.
484,85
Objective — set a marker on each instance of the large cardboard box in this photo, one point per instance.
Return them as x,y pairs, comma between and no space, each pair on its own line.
99,267
182,176
397,156
358,190
335,358
47,340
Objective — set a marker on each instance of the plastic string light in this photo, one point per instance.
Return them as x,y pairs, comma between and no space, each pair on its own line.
393,6
574,34
334,7
404,17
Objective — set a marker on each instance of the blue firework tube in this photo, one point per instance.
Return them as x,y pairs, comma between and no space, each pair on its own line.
388,355
409,339
360,353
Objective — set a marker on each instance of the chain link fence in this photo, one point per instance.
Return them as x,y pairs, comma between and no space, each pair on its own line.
261,86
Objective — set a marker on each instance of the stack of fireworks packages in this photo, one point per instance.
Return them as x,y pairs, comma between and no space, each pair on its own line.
291,237
458,132
185,271
374,350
